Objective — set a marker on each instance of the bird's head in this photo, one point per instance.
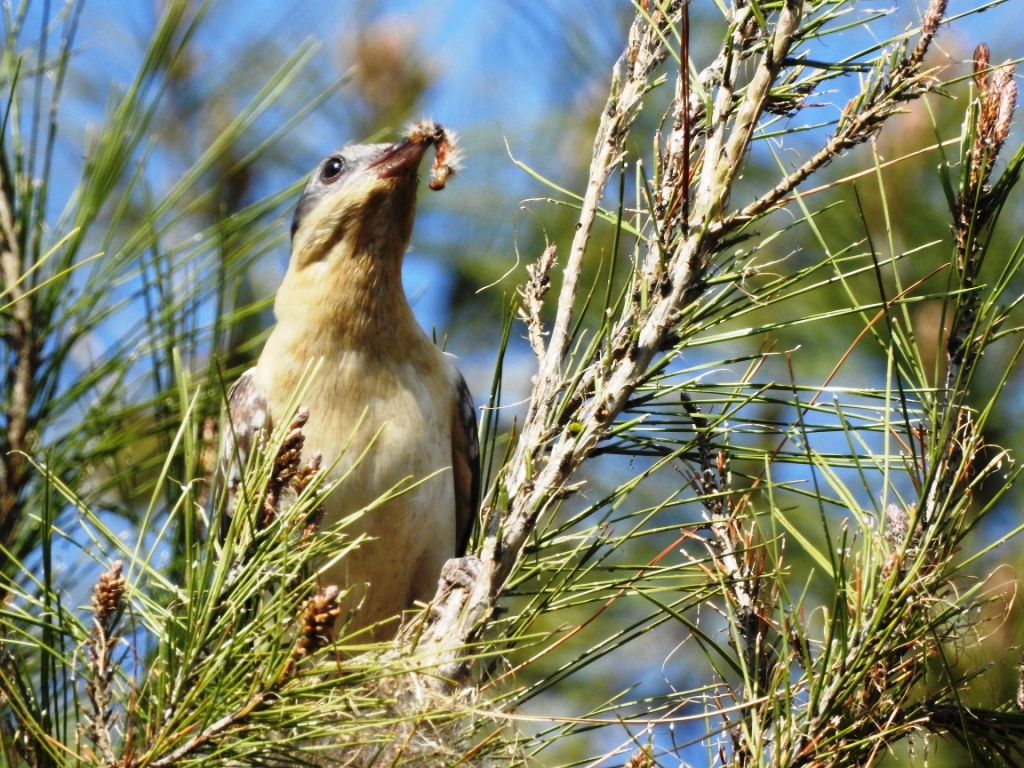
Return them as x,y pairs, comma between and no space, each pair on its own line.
351,229
360,201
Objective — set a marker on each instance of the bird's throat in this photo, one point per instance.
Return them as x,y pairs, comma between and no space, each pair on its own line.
343,289
352,300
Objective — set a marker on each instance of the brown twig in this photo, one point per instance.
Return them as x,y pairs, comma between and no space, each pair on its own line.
212,731
26,360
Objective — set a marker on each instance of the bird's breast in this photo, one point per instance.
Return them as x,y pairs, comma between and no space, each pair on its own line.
383,425
396,414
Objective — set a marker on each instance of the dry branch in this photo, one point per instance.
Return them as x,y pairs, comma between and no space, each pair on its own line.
25,346
549,449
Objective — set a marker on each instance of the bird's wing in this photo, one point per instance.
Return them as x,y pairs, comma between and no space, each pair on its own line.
465,463
248,426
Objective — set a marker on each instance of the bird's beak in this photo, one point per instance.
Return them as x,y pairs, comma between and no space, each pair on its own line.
398,159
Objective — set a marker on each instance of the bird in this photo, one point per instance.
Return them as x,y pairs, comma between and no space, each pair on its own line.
381,386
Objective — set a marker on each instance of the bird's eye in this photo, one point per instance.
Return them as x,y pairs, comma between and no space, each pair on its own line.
332,169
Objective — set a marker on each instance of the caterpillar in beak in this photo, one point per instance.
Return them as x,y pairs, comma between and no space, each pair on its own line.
446,154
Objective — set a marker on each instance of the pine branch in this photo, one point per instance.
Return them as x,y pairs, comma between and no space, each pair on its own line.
107,606
24,341
548,451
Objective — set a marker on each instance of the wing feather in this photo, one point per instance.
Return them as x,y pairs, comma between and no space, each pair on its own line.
465,463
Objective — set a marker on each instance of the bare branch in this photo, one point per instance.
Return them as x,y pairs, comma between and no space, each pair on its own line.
551,448
26,353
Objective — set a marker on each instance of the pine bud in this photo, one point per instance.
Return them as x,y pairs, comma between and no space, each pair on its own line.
108,593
